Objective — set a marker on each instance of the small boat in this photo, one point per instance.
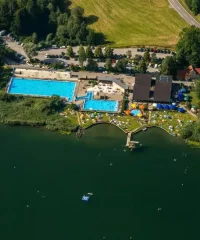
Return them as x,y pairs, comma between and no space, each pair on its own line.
90,193
144,129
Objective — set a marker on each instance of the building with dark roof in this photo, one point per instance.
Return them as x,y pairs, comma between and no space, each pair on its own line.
152,88
141,90
163,89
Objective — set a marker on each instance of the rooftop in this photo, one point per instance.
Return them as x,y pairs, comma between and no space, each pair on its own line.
141,91
160,93
118,82
163,88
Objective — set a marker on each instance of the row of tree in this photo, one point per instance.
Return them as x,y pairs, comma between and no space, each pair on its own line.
193,5
49,20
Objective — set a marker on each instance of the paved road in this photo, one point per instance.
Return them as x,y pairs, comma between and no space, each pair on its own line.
183,13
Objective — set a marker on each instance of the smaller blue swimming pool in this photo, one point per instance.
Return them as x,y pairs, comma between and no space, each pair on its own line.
101,105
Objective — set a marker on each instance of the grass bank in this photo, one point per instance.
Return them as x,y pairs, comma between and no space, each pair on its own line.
171,121
135,22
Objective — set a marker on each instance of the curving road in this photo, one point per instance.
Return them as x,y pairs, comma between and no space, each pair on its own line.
183,13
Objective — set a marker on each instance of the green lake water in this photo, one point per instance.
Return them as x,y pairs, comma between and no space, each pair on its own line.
142,195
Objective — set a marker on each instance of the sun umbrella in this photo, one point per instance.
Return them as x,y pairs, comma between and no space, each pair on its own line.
133,105
182,110
172,107
165,106
159,106
183,90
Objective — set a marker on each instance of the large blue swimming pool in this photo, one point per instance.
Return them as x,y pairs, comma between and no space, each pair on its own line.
45,88
101,105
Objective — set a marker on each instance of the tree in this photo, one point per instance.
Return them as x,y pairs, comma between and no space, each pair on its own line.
194,5
70,52
108,52
137,59
82,55
98,52
142,67
129,54
49,37
186,131
169,66
121,65
91,65
188,47
34,38
197,88
146,57
108,64
89,52
30,49
153,58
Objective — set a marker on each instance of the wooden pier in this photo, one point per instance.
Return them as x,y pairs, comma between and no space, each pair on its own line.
129,143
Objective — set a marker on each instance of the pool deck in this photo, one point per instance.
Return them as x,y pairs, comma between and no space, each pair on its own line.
44,74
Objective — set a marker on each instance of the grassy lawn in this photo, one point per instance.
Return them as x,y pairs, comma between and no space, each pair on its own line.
135,22
194,98
127,123
182,2
176,120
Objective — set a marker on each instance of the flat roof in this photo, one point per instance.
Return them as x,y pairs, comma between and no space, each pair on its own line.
141,89
118,82
163,88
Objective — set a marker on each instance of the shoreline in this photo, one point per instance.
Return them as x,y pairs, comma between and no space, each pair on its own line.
137,130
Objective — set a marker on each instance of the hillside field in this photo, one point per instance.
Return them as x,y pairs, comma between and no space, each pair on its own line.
135,22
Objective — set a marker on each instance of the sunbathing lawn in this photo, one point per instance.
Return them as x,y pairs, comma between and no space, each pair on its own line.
135,22
87,120
182,2
162,121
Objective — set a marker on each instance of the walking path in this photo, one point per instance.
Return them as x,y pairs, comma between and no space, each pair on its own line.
79,122
149,121
183,13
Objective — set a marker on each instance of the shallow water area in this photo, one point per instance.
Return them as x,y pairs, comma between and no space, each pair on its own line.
143,194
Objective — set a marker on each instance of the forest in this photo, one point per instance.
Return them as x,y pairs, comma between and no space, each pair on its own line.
47,20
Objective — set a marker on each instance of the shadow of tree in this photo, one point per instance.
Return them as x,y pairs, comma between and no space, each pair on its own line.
91,19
